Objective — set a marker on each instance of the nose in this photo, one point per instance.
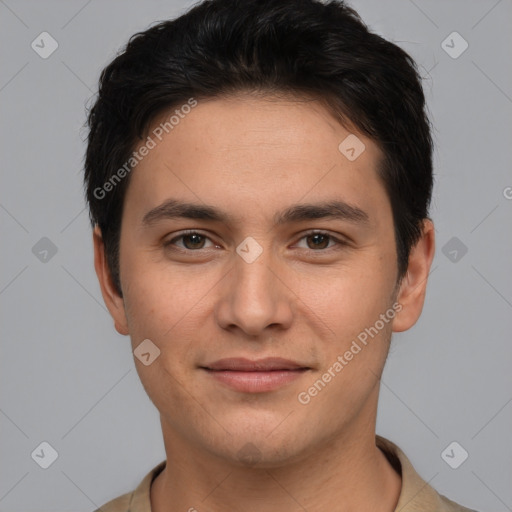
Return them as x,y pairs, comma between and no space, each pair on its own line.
254,297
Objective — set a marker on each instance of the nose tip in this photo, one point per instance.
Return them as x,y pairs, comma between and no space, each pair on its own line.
252,299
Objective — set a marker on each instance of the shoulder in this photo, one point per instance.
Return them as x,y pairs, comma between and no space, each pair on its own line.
416,494
119,504
138,500
446,505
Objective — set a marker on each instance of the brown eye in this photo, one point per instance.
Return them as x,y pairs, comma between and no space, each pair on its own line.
321,241
318,241
193,241
189,241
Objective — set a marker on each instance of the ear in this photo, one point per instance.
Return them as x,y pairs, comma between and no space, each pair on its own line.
412,290
113,300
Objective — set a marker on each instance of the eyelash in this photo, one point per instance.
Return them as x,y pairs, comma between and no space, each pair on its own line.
338,242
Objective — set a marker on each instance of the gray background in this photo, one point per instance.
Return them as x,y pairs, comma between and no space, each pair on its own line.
69,379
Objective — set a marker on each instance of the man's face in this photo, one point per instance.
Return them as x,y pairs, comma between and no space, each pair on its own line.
250,287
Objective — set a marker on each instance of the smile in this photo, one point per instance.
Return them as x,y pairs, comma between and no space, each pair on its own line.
255,376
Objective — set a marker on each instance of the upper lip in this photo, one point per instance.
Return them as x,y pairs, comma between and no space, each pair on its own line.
242,364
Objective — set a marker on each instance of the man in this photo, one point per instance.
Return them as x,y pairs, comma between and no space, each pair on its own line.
259,175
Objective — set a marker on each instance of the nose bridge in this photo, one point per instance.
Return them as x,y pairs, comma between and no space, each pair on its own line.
254,298
253,279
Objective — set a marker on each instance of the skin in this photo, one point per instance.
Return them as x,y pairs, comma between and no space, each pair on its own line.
252,157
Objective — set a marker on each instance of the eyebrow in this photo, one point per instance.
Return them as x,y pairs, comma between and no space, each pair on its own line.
173,209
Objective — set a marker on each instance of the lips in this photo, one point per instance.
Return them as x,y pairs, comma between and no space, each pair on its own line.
241,364
255,376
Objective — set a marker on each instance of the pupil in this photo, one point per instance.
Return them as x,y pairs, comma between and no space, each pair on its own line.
318,236
196,239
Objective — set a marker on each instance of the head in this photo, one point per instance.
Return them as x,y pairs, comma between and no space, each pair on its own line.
293,147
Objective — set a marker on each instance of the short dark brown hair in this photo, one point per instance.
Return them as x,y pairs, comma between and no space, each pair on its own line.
304,47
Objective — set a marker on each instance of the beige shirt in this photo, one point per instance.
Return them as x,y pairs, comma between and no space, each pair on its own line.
415,496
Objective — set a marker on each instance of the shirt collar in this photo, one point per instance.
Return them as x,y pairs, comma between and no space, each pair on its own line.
415,491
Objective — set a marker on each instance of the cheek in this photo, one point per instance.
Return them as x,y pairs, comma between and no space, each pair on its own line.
154,297
350,297
169,309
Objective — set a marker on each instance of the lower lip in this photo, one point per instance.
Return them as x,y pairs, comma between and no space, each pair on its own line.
255,382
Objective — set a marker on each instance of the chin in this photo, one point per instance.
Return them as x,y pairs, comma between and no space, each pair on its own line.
254,447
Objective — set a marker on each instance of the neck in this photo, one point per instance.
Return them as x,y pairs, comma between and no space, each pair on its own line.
345,473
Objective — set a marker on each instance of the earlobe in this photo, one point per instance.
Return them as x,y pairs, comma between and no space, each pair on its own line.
413,287
113,300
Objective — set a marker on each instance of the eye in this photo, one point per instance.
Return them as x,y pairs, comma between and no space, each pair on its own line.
319,240
190,241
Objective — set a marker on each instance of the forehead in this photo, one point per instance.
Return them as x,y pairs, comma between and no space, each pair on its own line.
257,152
